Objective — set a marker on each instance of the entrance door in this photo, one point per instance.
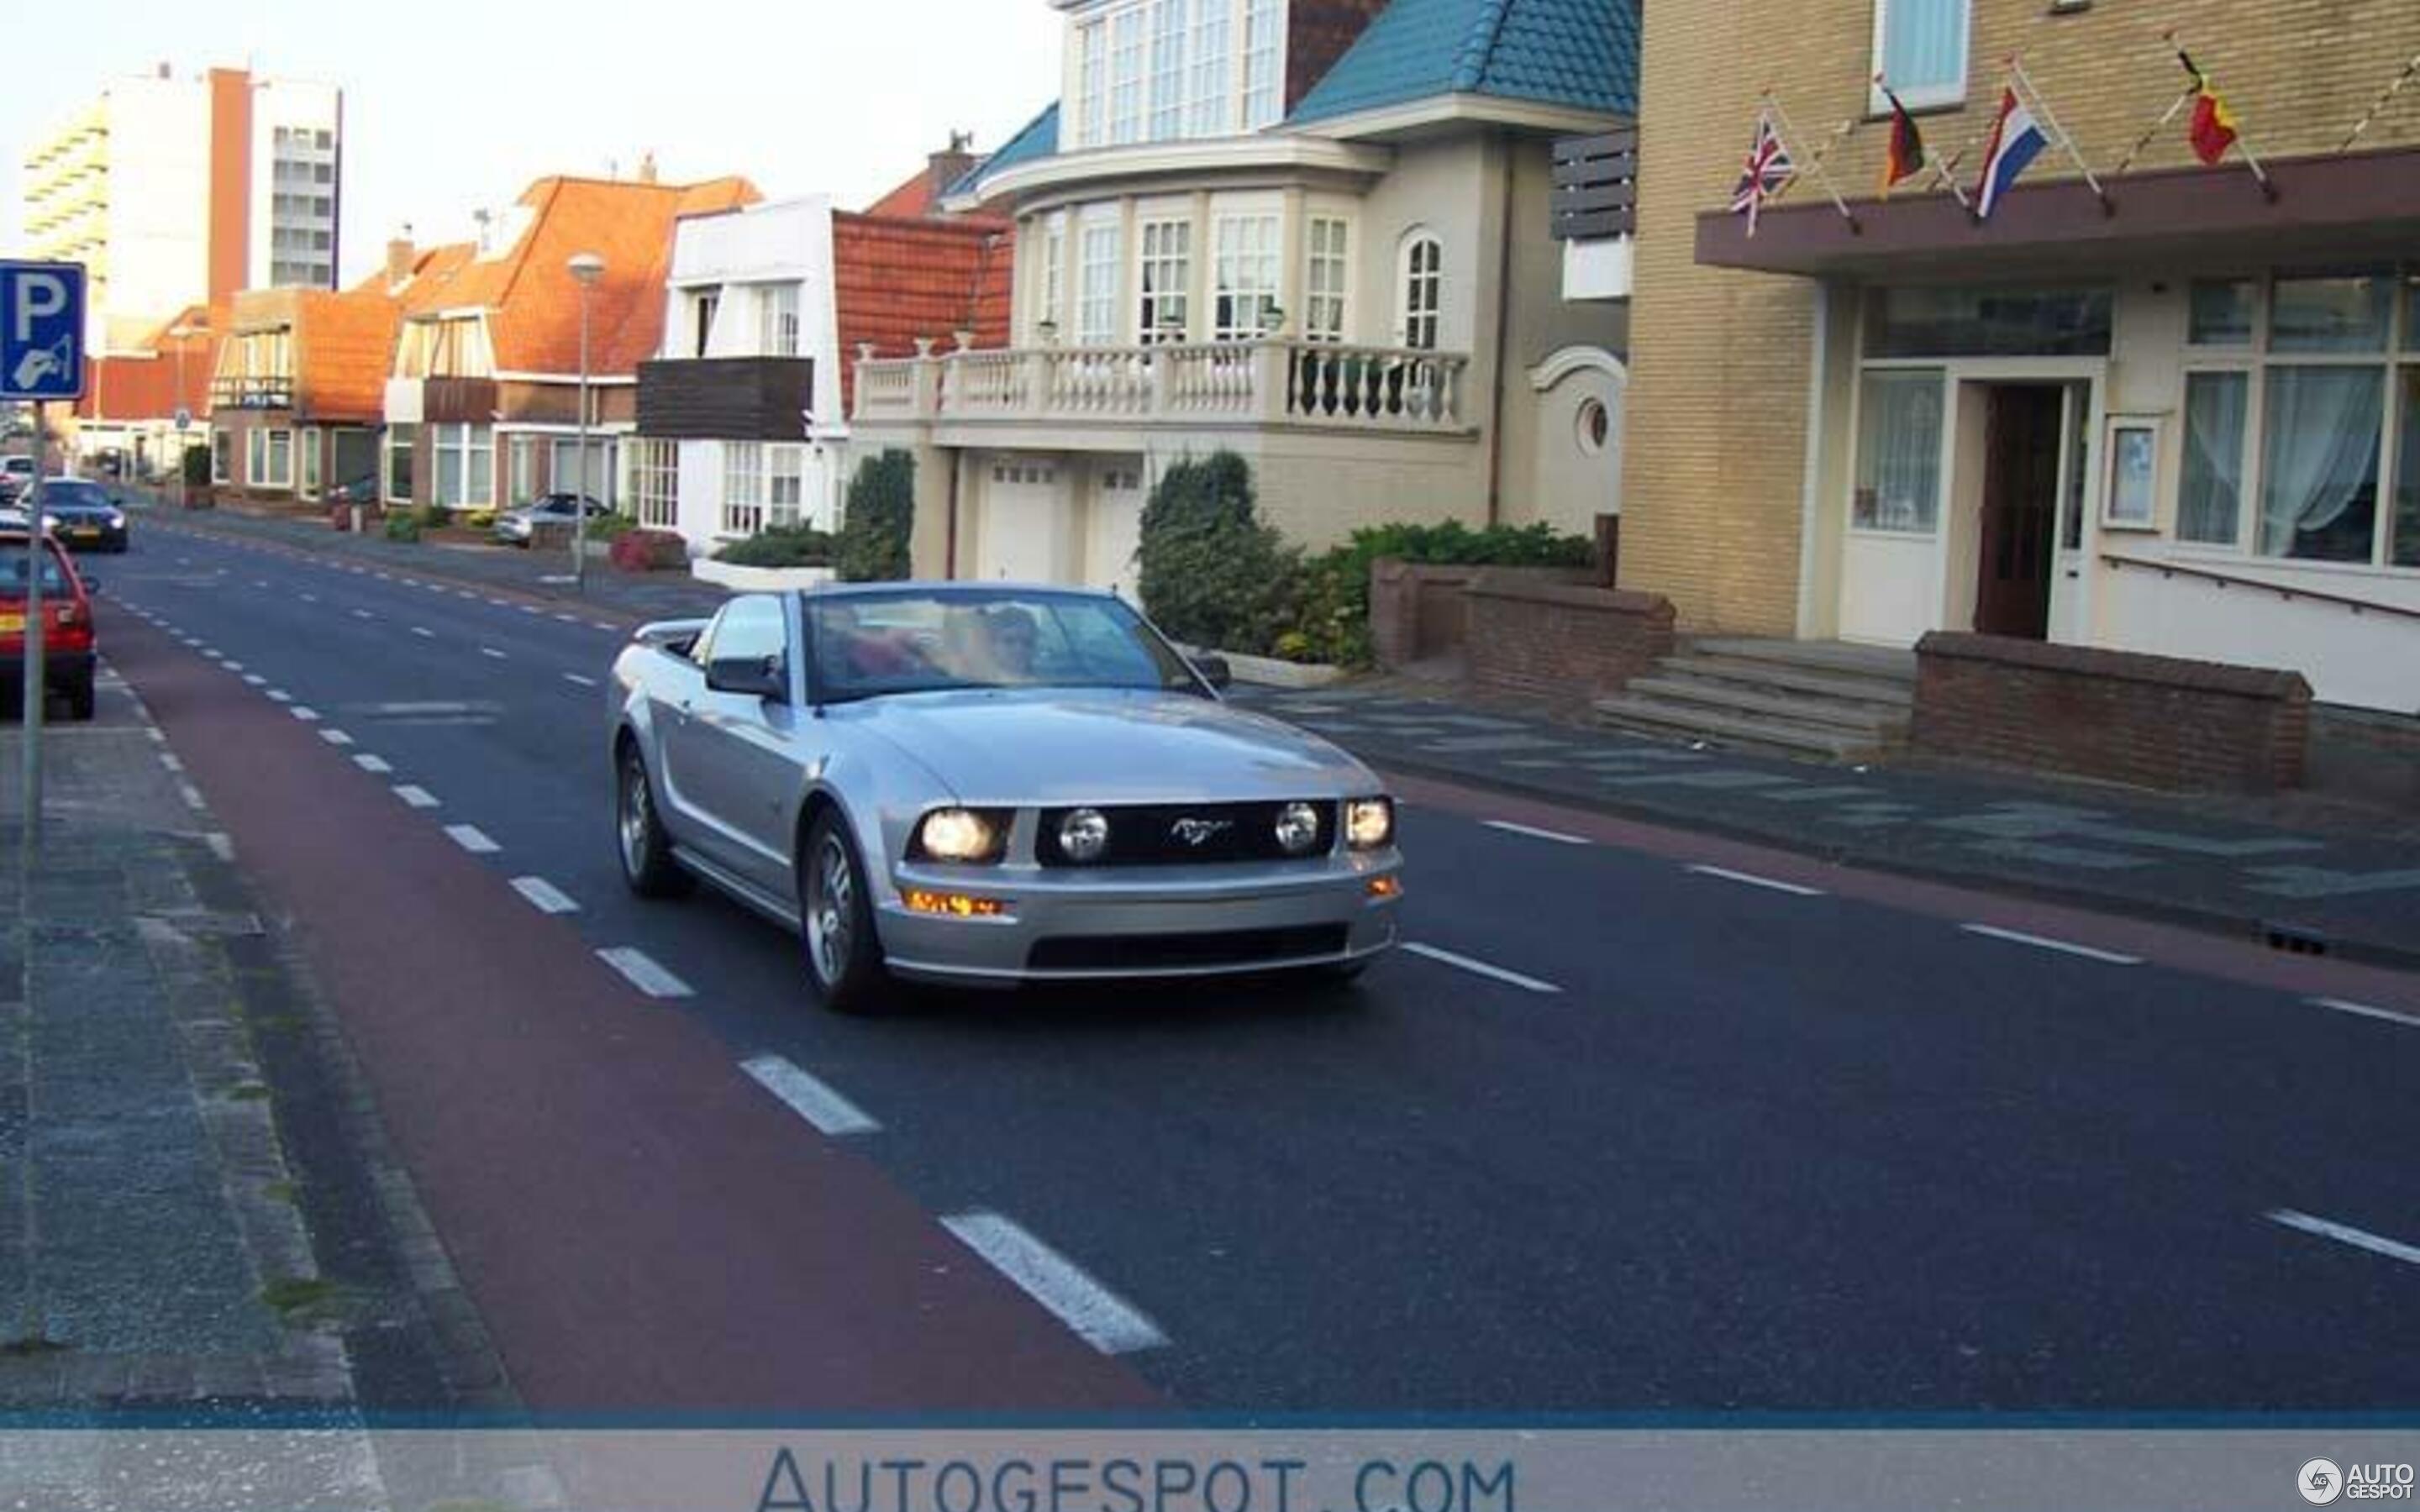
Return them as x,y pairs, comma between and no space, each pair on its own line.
2020,476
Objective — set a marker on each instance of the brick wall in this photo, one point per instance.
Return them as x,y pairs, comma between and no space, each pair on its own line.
1560,641
2119,715
1715,446
1403,594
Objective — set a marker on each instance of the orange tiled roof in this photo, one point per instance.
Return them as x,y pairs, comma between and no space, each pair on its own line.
344,352
532,302
138,388
896,280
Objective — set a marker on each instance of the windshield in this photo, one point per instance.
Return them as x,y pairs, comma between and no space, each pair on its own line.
13,569
70,493
920,642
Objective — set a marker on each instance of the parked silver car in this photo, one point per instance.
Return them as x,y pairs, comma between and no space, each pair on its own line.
990,784
515,527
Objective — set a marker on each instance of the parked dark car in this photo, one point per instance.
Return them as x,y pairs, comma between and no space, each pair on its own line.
83,516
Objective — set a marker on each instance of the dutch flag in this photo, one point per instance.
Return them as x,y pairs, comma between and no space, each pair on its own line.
2017,139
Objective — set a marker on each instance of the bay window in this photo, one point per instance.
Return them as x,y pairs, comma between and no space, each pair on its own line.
1210,112
1167,115
1323,315
1051,279
1097,294
1158,70
465,457
1263,65
1423,291
1091,82
1125,76
1245,277
1166,273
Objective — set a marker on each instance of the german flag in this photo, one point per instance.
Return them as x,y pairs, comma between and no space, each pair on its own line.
1905,157
2213,128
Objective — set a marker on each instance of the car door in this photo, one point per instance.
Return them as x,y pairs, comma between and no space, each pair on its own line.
741,751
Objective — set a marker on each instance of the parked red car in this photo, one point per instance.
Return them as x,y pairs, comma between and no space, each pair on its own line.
68,638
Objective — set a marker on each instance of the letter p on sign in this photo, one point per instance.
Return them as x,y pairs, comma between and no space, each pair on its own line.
41,330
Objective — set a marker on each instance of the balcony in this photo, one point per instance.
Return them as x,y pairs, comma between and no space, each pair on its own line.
251,393
1595,213
1316,385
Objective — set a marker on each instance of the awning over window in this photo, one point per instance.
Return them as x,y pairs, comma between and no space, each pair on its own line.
2364,204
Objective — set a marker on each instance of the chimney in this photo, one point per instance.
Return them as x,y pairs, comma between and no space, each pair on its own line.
948,167
164,71
400,254
647,169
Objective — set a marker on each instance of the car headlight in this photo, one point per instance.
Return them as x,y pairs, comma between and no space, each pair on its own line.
1297,828
1368,822
116,520
1084,835
960,835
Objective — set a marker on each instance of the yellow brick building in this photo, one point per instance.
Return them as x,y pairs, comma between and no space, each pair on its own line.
2095,426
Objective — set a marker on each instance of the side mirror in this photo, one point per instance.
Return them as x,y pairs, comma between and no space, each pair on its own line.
763,677
1213,671
92,586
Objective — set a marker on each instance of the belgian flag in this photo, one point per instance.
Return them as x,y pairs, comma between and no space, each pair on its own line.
2213,128
1905,157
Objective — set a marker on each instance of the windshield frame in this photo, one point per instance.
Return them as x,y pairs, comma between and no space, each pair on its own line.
1177,673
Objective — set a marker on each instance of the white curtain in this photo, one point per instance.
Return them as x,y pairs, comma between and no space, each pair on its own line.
2214,414
1924,44
2321,451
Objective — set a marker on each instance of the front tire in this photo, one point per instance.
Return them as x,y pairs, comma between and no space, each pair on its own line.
836,919
81,702
646,851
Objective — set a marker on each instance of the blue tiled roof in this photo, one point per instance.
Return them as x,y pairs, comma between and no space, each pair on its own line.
1583,53
1038,139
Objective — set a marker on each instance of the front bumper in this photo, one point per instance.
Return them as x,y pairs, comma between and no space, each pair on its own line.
92,538
1075,925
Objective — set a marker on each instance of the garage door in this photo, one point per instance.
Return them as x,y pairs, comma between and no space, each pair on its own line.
1025,519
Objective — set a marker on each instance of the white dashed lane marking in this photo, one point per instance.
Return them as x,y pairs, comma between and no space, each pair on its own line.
490,651
1751,879
473,839
418,797
1098,1316
545,896
810,1099
2042,942
335,737
1480,968
583,682
2365,1011
368,763
2347,1234
643,972
1557,836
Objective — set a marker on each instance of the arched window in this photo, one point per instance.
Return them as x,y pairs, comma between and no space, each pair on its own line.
1423,283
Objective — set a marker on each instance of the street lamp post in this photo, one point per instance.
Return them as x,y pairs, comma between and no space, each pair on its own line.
180,333
586,267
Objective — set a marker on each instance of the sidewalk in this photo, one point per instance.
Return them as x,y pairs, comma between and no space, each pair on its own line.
2261,872
198,1213
536,574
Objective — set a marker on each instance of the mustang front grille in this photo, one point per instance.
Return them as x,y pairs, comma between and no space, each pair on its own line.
1149,953
1179,834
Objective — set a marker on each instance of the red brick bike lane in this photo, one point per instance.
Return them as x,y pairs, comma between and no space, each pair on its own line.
644,1228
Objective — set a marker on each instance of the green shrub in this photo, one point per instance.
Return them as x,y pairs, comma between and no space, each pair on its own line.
402,526
611,526
435,516
782,546
872,544
1334,608
196,464
1210,573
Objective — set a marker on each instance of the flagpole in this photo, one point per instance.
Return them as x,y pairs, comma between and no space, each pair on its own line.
1815,166
2410,70
1941,170
2127,161
2202,82
2042,107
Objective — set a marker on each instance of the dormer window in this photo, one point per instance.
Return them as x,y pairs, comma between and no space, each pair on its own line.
1160,71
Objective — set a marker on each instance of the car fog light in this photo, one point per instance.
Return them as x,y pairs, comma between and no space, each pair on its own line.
1297,828
1385,888
1084,835
1370,823
952,905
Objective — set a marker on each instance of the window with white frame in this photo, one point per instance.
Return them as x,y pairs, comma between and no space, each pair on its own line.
522,452
1921,49
743,489
1263,62
1211,110
1097,294
1156,71
1049,281
1167,103
311,462
596,480
272,460
465,460
1245,277
1127,42
703,303
1165,274
654,476
222,456
1898,450
2301,418
1322,313
785,484
777,309
1424,286
445,346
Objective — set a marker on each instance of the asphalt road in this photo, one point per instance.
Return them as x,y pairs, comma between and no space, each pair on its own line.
1627,1136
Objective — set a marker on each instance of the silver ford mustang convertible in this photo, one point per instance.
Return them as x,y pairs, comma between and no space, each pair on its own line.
990,784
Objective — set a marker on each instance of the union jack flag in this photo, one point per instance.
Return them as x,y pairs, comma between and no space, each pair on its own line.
1767,171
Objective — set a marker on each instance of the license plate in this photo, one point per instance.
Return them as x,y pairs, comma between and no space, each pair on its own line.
85,533
12,625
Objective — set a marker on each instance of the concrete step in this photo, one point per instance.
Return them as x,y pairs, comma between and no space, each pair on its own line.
1876,720
1652,715
1879,693
1840,658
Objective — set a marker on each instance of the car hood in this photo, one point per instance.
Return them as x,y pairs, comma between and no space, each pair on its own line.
1034,747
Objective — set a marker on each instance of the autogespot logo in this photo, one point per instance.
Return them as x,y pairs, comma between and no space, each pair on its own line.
2320,1482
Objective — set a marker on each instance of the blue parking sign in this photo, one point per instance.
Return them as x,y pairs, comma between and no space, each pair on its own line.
41,330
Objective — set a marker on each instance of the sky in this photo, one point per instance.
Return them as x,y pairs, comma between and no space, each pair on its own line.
454,105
